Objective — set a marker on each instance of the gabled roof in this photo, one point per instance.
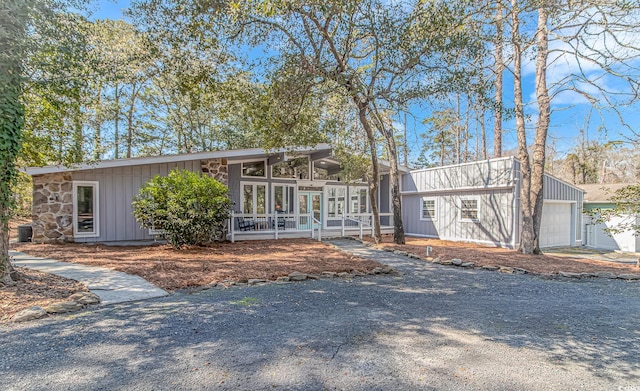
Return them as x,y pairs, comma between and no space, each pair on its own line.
598,192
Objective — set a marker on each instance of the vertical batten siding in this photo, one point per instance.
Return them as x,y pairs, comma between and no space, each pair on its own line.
385,194
497,183
117,188
489,180
486,173
494,225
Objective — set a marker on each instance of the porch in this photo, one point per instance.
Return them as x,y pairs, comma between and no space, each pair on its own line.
245,226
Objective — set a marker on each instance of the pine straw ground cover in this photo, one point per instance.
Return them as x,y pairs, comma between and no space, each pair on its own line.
187,267
494,256
35,289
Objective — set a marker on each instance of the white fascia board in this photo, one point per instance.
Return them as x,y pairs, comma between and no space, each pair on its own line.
456,190
237,154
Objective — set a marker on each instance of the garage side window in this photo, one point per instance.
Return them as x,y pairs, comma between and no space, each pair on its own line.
469,208
85,209
428,209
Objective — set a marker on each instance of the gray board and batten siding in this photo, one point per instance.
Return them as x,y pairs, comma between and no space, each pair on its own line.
491,183
117,187
495,184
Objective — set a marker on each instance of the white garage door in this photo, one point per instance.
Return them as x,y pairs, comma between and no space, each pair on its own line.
555,229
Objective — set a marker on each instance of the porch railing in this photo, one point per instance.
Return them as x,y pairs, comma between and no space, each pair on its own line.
277,223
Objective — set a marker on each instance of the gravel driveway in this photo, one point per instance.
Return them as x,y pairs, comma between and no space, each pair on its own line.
433,327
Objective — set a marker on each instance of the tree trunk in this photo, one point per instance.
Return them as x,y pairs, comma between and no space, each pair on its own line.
116,121
97,140
483,134
394,176
542,126
405,144
78,136
373,183
132,104
527,236
7,273
499,69
11,120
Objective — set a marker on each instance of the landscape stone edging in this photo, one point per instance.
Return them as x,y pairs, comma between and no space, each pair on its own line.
296,276
507,269
75,302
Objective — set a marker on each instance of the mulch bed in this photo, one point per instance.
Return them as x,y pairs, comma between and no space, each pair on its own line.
494,256
35,289
187,267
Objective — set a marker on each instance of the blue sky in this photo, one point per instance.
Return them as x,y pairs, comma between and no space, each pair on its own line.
570,110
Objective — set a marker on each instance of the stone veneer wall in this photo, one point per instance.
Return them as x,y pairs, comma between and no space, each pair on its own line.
216,168
52,212
219,170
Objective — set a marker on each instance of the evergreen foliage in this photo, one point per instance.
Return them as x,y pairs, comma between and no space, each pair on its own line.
188,207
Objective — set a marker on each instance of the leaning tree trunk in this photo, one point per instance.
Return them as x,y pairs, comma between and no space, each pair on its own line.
373,183
394,176
542,126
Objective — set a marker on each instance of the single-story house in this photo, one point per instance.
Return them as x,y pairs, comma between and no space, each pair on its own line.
480,202
276,194
300,194
598,196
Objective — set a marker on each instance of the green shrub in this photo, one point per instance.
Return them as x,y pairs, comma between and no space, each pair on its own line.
189,208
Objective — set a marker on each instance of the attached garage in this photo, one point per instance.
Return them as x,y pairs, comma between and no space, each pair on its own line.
556,225
480,202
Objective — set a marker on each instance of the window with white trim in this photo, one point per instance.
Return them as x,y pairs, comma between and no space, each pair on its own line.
336,198
428,209
469,208
253,198
297,168
85,209
358,199
283,198
256,169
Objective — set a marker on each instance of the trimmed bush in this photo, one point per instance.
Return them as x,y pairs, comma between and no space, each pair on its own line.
190,208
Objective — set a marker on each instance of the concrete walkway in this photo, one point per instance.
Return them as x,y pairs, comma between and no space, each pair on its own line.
110,285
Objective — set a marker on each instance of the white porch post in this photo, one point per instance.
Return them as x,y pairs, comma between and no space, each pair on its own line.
275,223
342,225
232,226
371,220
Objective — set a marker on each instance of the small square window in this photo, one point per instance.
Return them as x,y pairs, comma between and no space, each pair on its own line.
469,209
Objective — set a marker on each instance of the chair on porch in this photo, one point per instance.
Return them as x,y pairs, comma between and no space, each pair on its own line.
245,224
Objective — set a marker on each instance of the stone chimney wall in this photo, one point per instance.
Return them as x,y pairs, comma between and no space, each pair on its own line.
216,168
52,212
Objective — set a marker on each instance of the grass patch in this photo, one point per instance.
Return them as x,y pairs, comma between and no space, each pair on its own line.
247,301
